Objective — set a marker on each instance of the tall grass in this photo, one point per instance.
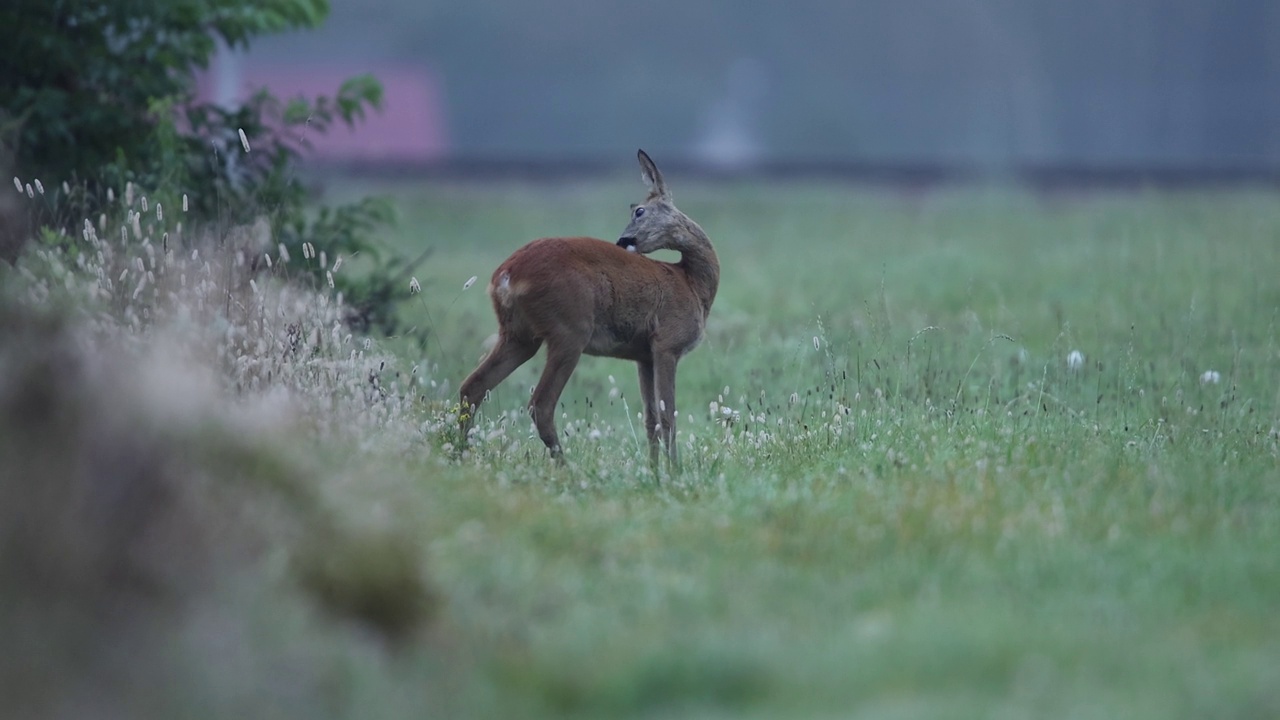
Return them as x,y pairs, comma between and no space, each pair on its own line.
968,454
959,455
183,528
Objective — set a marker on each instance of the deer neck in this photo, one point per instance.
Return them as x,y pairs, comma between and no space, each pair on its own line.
700,265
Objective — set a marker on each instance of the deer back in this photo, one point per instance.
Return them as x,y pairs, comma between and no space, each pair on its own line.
597,295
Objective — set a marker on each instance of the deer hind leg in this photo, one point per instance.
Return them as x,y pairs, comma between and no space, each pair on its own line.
505,357
664,378
561,361
650,410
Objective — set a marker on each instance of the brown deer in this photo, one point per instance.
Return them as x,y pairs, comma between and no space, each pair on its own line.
582,295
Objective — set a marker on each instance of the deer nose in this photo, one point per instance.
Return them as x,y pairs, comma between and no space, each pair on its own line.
627,243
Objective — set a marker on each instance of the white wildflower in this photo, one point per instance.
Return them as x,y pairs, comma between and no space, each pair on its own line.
39,187
337,263
244,140
1210,377
30,193
1075,360
284,253
817,344
329,276
470,281
184,202
17,183
159,213
414,286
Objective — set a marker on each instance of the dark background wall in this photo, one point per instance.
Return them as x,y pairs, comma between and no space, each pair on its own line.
984,82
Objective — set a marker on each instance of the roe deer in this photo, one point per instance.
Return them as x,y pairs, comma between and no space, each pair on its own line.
582,295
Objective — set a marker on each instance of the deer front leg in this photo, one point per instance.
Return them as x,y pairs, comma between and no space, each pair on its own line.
650,411
664,379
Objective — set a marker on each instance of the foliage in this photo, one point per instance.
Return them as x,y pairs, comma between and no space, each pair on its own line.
99,95
150,487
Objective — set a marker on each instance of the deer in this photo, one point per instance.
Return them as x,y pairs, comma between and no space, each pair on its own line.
584,296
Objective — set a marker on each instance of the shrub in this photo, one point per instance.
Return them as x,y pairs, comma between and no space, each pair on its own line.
94,96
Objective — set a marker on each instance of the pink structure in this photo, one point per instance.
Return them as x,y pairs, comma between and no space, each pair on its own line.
410,128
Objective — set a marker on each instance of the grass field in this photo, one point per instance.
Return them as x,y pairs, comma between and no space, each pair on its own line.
972,454
902,498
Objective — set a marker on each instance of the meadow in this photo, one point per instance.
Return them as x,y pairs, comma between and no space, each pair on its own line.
966,454
970,453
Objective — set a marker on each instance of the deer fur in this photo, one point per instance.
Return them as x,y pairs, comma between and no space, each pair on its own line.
581,295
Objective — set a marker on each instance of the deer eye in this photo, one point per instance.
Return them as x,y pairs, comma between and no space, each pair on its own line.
639,211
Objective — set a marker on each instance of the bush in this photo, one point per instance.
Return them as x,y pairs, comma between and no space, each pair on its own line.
161,498
94,96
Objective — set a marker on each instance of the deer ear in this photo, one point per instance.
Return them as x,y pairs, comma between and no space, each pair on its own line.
652,176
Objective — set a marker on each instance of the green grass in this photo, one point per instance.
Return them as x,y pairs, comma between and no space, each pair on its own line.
923,512
899,499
